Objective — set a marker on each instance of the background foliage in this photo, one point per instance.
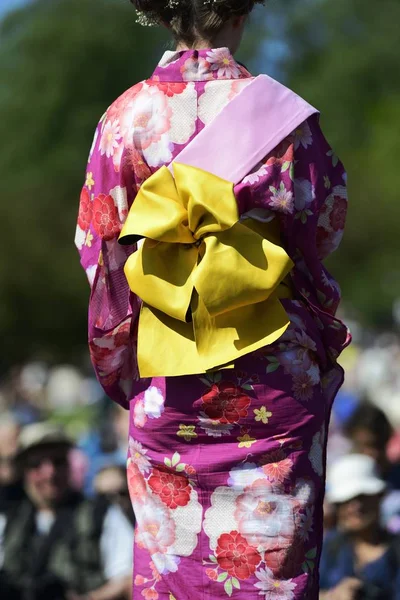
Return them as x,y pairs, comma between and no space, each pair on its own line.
62,62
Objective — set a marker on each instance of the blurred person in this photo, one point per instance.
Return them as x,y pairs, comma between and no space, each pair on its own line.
370,433
110,482
213,320
11,489
57,545
360,560
106,444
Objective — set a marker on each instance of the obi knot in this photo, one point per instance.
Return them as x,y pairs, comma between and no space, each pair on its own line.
209,283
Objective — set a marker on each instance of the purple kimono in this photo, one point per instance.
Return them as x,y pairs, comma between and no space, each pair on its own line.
226,470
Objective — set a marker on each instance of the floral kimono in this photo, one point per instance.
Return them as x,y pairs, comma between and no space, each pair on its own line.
226,467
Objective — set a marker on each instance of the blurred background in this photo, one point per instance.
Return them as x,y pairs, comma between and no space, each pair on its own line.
62,62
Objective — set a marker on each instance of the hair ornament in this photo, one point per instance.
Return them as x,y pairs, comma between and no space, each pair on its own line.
146,20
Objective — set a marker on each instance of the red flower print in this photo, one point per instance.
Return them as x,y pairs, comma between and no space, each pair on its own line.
226,403
172,488
277,467
85,210
322,236
337,218
212,574
285,563
281,154
122,334
105,217
236,556
138,164
150,594
169,88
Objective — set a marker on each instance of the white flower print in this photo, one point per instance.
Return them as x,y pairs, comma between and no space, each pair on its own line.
244,475
272,588
281,199
153,402
304,193
222,61
214,428
80,237
302,136
305,341
165,563
316,453
256,176
212,101
186,537
304,491
183,129
96,135
110,137
306,525
119,195
219,517
138,455
91,273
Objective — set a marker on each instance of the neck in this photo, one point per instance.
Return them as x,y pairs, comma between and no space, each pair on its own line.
222,40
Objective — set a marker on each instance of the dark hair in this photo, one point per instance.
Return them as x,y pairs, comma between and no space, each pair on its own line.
193,19
368,416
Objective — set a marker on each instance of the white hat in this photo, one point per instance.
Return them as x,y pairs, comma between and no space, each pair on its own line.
41,434
351,476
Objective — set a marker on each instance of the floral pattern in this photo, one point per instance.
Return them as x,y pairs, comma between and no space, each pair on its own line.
225,469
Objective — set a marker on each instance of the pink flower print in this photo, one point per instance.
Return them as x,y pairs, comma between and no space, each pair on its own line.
110,137
138,455
302,387
265,517
222,61
277,467
150,594
139,416
136,483
155,529
196,70
281,199
272,588
123,103
145,119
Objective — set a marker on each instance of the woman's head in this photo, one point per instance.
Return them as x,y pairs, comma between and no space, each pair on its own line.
199,22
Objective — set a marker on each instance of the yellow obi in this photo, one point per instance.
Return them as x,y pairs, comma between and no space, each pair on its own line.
209,283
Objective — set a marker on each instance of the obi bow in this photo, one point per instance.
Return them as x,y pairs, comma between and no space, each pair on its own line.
208,282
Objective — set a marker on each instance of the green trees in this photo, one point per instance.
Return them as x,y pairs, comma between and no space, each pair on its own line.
62,62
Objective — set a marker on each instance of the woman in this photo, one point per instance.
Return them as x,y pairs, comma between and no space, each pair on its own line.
226,463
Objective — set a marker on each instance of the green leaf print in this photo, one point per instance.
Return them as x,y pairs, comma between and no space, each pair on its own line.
247,386
180,467
272,367
167,462
235,583
213,558
312,553
228,587
285,166
175,459
222,577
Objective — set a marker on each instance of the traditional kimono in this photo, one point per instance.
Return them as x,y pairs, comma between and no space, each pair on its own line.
226,467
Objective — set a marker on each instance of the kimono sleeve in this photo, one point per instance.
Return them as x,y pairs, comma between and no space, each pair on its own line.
328,178
106,197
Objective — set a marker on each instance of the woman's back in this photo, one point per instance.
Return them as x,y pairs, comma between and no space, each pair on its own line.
226,468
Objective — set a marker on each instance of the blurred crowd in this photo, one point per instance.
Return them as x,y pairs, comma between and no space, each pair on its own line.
66,523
